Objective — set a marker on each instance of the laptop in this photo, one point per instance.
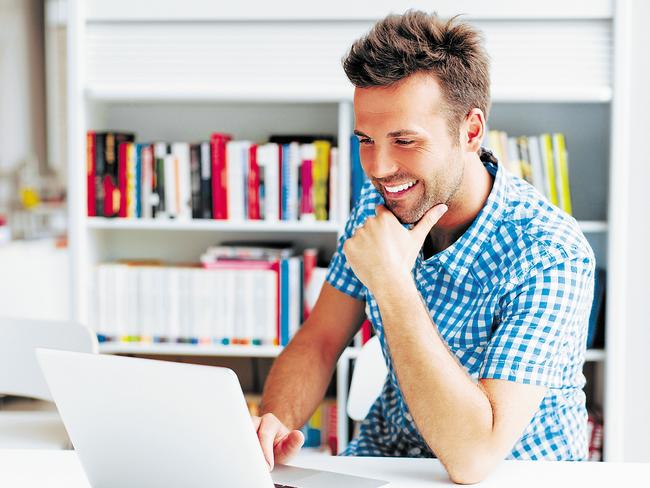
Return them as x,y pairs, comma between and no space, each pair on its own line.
139,422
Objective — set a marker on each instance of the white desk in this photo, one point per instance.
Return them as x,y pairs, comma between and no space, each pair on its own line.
36,468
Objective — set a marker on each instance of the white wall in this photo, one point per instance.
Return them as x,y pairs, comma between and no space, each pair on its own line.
637,343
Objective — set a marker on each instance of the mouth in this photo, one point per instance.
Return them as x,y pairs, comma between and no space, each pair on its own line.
397,191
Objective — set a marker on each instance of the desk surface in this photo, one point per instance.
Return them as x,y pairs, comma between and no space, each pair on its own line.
22,468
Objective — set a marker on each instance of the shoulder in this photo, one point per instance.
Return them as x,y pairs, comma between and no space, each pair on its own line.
532,235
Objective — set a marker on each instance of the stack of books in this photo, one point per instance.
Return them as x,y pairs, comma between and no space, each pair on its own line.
289,178
237,294
541,160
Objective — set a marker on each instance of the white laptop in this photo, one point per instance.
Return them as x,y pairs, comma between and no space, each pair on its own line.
138,422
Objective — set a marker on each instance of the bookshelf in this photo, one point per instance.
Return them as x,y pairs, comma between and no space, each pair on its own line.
180,71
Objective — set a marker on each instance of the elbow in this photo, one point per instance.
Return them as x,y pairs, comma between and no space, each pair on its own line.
470,471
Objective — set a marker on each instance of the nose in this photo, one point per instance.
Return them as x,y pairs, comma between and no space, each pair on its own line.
378,164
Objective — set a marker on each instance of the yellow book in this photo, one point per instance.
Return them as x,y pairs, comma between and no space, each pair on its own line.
494,139
560,157
320,174
547,160
526,167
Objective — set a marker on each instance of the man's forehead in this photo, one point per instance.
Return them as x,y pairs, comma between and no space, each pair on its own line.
416,95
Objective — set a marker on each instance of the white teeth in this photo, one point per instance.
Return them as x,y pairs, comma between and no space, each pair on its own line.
395,189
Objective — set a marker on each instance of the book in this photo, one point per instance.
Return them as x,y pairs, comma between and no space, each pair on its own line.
546,145
91,203
218,141
159,209
268,160
182,180
307,156
195,180
560,158
206,181
253,185
321,174
357,175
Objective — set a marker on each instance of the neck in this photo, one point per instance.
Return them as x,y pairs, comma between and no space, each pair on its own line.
465,205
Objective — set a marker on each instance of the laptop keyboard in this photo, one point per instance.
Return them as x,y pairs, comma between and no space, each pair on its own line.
278,485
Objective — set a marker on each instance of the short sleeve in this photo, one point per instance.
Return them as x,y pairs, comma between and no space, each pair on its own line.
542,325
339,273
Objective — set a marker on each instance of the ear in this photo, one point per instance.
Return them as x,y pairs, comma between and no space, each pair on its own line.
473,129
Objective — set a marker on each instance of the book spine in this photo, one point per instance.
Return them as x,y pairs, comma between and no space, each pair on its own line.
309,259
206,181
138,180
333,202
253,184
357,176
285,298
220,210
321,172
100,166
307,183
284,182
147,184
159,209
549,165
195,172
122,177
130,180
91,204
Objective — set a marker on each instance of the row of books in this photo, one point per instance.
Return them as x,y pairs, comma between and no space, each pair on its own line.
319,431
289,178
595,433
236,295
541,160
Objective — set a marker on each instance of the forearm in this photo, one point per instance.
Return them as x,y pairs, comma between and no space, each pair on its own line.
452,413
297,382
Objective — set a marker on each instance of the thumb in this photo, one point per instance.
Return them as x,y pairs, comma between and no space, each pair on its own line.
428,220
289,446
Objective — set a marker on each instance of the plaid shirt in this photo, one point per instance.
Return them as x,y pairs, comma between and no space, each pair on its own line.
511,298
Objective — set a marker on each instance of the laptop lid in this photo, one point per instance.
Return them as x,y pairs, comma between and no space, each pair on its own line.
139,422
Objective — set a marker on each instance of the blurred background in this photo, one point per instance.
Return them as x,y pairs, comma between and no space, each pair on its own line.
115,118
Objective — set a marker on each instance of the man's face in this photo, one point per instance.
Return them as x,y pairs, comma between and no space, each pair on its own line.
405,146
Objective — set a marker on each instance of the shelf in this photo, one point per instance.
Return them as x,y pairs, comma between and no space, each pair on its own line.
595,355
195,349
210,225
592,226
196,93
329,94
569,94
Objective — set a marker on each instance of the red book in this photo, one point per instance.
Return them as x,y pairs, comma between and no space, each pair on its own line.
122,176
309,263
366,331
91,167
306,199
219,175
253,184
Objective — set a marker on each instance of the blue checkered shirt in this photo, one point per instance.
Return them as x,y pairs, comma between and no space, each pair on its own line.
511,298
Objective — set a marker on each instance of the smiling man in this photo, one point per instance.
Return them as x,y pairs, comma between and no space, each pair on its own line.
478,288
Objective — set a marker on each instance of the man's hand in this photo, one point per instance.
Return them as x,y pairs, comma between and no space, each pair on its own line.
279,444
382,249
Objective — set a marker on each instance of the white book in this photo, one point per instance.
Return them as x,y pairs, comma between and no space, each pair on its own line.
173,307
229,305
514,160
334,185
171,195
184,185
236,189
536,164
268,159
249,318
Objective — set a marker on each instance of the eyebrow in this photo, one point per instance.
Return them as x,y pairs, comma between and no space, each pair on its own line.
396,133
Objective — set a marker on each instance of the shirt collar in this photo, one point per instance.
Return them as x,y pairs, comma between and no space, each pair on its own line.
458,258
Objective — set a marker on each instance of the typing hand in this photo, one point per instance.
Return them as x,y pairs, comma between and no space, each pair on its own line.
279,444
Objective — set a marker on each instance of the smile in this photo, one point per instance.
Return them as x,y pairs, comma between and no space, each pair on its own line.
400,189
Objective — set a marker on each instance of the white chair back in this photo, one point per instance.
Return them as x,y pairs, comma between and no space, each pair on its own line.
368,379
20,374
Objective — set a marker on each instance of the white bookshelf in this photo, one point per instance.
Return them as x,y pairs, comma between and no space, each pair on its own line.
257,69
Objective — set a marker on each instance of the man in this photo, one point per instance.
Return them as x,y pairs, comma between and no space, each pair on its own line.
478,288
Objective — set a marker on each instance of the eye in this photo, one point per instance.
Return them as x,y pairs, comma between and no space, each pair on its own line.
403,142
365,140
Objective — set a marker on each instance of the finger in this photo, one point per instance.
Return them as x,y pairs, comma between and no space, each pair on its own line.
289,446
267,433
429,219
256,421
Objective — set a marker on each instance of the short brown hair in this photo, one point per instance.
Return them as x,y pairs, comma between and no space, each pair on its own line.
401,45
